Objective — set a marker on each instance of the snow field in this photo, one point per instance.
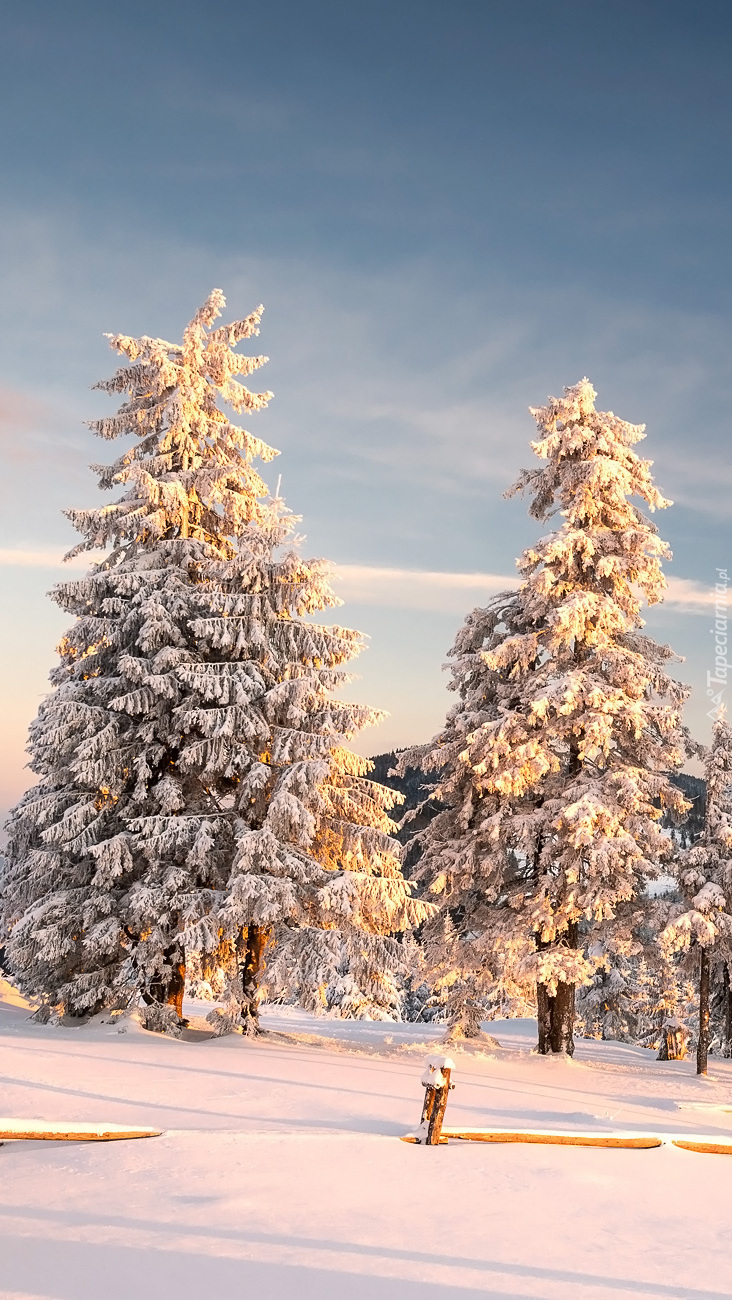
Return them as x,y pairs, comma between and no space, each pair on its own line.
280,1174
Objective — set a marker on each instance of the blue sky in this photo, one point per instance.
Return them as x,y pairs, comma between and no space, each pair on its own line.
450,208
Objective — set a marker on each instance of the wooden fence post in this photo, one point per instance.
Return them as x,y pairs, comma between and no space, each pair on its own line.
436,1081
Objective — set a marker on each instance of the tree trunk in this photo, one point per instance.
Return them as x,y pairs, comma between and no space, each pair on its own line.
167,989
726,1011
562,1035
702,1051
176,987
544,1019
251,946
555,1014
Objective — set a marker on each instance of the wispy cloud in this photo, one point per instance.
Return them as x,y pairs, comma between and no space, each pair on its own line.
39,558
688,596
369,584
443,593
453,592
432,394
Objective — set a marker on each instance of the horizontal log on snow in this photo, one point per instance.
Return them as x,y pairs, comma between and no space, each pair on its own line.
639,1141
710,1145
43,1130
705,1143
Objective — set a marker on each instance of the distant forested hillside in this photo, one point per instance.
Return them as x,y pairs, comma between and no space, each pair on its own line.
416,786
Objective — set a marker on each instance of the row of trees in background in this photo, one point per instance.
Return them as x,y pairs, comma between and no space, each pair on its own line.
199,807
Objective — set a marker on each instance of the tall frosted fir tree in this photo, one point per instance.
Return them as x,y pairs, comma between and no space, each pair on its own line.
555,761
195,785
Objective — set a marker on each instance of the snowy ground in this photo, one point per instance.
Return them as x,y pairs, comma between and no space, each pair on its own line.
280,1174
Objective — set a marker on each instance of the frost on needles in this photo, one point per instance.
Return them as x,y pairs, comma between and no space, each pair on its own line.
700,926
553,765
197,794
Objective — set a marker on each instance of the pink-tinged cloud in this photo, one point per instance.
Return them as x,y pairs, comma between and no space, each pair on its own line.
39,558
20,417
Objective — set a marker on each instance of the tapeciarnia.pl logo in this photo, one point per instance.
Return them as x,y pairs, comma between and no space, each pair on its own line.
718,680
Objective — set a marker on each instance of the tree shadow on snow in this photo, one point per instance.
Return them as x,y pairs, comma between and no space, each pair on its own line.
82,1270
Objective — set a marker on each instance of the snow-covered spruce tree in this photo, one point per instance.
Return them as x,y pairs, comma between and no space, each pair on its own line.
459,859
673,1009
702,927
617,1004
195,785
638,993
555,761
